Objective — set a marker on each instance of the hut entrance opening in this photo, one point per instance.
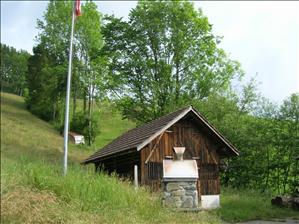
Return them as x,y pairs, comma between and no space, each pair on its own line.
121,164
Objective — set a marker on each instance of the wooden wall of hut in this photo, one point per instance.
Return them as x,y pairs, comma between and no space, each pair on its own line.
198,145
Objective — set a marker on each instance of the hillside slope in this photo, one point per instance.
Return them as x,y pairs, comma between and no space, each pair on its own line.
33,190
24,134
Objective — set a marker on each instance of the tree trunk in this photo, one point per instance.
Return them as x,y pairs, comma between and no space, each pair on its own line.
89,113
268,171
177,84
75,100
84,100
54,111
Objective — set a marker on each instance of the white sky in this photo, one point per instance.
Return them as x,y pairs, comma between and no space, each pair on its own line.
262,36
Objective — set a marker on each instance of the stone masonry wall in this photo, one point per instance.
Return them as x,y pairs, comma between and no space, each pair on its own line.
180,194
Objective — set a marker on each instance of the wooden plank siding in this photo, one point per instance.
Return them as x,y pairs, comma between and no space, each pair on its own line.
198,145
185,127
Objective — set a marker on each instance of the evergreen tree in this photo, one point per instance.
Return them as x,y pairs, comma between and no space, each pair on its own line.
13,69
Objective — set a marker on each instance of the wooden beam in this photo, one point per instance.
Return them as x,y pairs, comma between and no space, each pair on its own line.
153,149
162,130
124,153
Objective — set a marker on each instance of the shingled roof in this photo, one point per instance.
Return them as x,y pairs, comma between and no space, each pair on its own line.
139,137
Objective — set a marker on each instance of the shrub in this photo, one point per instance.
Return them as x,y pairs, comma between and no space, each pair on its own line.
80,124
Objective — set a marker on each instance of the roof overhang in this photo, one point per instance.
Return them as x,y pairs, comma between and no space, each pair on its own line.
151,138
220,136
202,119
110,156
226,147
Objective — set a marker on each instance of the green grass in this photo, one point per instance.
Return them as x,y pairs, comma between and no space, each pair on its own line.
111,124
239,205
34,191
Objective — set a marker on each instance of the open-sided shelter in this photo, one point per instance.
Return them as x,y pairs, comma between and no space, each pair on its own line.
148,145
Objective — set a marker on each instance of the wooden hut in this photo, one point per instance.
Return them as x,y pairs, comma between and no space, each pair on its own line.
148,145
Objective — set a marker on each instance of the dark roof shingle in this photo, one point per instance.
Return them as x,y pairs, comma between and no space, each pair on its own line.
138,137
132,138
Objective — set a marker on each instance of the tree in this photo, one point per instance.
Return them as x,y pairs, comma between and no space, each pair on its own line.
13,69
163,57
90,42
50,60
42,84
48,65
249,96
265,134
289,140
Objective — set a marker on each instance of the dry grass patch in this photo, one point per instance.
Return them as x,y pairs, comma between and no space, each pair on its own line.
25,205
28,206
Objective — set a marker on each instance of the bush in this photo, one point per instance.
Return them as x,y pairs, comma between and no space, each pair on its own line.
80,124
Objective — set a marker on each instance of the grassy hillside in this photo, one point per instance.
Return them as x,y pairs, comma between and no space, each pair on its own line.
110,121
111,124
33,190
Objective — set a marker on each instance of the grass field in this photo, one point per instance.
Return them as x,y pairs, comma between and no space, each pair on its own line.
242,205
34,191
111,124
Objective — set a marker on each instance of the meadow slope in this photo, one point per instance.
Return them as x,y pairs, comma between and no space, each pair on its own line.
34,191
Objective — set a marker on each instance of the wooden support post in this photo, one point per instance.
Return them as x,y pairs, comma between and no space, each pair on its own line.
136,176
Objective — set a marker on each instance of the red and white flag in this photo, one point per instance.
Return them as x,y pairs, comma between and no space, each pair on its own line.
77,8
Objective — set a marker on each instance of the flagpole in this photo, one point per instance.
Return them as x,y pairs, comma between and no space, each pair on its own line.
67,100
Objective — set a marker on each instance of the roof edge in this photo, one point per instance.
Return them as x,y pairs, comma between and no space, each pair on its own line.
140,146
92,160
177,118
187,110
224,140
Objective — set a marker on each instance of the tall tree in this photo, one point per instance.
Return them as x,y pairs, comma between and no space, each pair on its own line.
13,69
51,54
164,56
49,62
90,42
289,141
42,84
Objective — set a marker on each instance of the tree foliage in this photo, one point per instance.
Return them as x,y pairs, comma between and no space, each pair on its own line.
165,56
42,84
267,138
80,124
48,65
13,69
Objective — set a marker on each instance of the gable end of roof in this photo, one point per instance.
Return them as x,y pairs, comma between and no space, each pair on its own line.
176,119
139,137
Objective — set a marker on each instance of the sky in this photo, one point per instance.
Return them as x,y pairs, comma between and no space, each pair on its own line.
262,36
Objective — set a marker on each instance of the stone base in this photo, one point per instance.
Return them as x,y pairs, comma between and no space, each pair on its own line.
180,194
